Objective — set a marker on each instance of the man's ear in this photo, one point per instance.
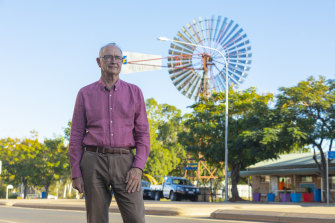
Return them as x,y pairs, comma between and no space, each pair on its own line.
98,62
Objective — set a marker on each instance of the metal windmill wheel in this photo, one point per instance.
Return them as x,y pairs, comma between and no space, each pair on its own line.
196,70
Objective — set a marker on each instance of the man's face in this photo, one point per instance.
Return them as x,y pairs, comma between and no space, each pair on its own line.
110,60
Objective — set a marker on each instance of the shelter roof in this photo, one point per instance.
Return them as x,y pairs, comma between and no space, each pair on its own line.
297,163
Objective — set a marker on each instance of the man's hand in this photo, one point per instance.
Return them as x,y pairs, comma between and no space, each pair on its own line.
133,180
78,184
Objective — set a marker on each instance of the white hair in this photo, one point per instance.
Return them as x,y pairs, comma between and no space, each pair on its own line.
109,44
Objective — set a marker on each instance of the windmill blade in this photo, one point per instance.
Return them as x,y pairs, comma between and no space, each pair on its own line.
221,30
241,61
219,83
188,86
184,76
194,33
182,57
183,37
242,55
177,69
227,28
217,27
181,63
178,75
202,29
240,67
227,37
198,30
181,49
193,88
140,62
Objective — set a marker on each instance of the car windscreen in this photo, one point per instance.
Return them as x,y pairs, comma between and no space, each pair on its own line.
182,182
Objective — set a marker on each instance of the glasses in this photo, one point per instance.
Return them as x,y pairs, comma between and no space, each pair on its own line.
111,57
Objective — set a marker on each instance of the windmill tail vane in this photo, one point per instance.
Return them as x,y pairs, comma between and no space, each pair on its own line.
135,62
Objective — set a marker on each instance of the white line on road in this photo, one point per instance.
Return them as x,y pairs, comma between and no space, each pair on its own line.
6,221
41,209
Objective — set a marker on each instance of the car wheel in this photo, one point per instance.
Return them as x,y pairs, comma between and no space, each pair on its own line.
157,196
173,196
195,198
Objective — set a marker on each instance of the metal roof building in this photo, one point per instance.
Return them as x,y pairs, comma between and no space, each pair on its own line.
287,164
298,171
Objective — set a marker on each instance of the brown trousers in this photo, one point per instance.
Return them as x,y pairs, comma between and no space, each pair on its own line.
103,173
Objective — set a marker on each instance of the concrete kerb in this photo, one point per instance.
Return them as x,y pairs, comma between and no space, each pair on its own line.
44,204
271,216
277,212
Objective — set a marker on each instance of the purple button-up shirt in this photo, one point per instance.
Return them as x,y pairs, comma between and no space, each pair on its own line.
109,118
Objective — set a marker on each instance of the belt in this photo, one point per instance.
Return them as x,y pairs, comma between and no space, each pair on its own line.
98,149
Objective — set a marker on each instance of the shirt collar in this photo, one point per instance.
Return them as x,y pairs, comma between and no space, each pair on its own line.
102,84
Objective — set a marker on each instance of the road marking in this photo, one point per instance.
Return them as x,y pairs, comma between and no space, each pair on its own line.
43,209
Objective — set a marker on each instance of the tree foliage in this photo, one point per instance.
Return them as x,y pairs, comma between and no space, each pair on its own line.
308,110
167,156
18,158
52,163
32,163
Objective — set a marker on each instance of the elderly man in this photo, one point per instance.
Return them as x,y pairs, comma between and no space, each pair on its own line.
109,121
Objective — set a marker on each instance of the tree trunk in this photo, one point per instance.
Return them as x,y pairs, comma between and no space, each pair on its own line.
46,187
235,178
213,190
323,172
69,186
25,187
324,184
64,190
324,188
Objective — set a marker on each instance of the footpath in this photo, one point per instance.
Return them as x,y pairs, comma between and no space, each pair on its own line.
248,211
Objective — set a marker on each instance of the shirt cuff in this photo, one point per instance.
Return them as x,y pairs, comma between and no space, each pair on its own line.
138,165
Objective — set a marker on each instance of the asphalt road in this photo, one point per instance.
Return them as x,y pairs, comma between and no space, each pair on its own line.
32,215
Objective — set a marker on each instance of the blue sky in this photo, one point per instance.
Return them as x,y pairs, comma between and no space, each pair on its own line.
48,50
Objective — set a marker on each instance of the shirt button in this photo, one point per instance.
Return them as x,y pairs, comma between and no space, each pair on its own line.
110,95
111,121
112,134
111,108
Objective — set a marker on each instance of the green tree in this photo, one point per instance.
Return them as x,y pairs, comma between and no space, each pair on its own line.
32,163
167,156
309,109
253,135
52,163
19,157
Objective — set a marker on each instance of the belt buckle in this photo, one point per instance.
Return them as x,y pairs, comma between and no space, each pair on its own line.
103,150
